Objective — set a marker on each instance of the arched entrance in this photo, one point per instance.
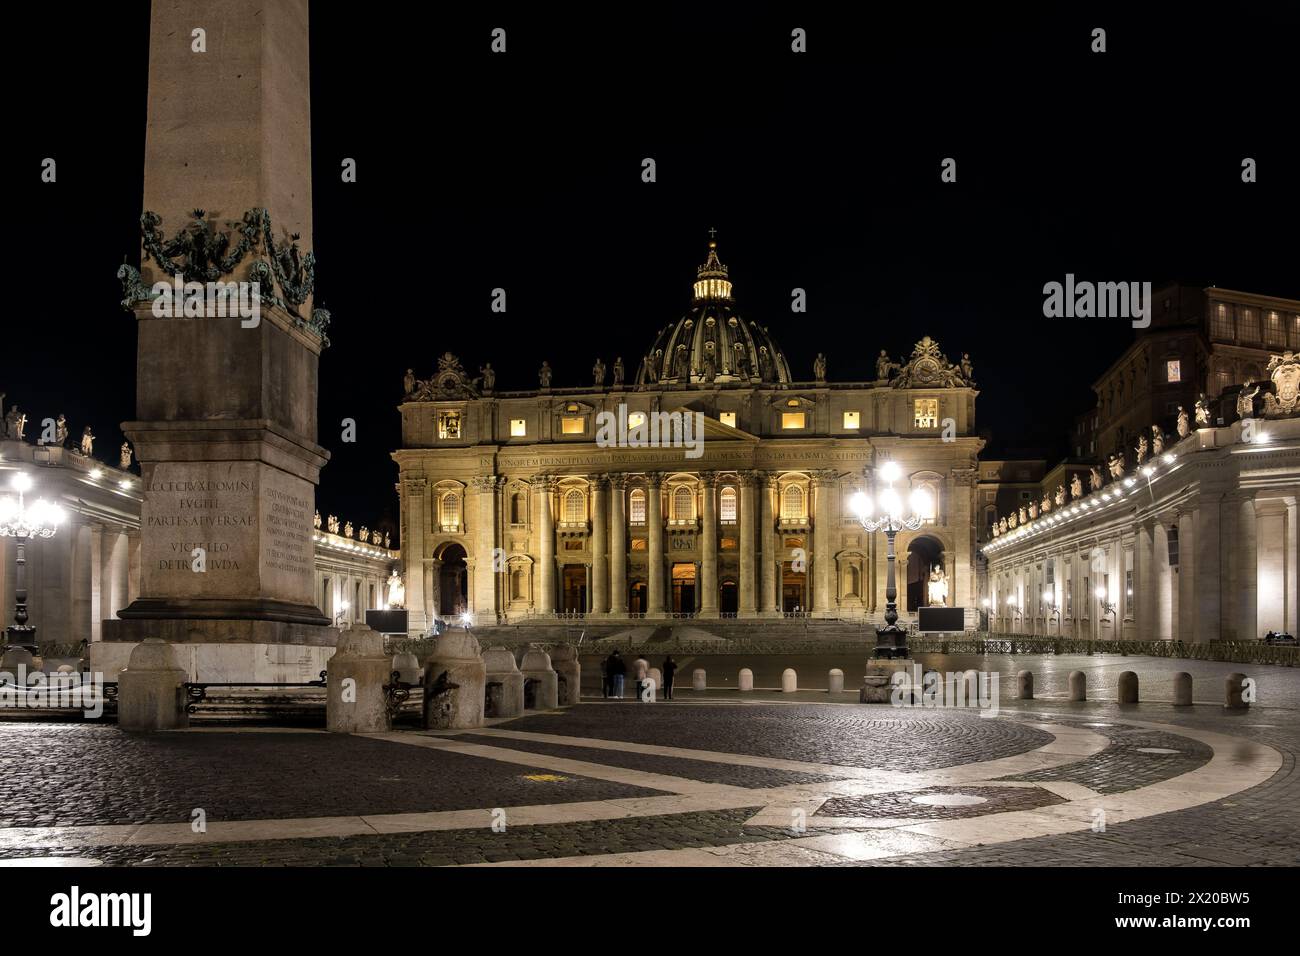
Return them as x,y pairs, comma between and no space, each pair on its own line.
923,554
683,588
574,580
728,598
453,581
794,588
636,597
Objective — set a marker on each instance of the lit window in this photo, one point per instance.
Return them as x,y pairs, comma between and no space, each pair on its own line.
1274,333
450,512
518,428
926,413
728,508
1173,371
792,420
575,508
636,506
683,504
449,424
572,425
851,420
792,503
727,418
932,496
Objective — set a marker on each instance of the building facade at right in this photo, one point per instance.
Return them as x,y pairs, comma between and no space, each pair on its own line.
1190,535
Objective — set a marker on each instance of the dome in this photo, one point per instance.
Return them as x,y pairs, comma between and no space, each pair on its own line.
713,343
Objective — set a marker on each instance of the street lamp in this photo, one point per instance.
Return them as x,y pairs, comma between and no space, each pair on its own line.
21,522
1107,606
1049,599
343,610
887,514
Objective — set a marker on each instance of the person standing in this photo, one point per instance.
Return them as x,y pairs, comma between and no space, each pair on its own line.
617,671
670,668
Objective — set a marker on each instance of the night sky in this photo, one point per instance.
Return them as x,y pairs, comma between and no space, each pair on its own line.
819,171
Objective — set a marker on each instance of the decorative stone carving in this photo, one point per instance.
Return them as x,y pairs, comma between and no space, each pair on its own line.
408,382
347,529
1011,520
544,374
1002,526
1141,449
87,442
449,382
819,367
1157,440
15,424
618,371
1246,399
1094,479
199,252
124,463
937,588
1046,505
61,430
1116,465
598,373
1202,412
396,590
1023,515
1284,370
885,366
333,524
1076,488
928,368
488,376
1060,495
316,520
364,534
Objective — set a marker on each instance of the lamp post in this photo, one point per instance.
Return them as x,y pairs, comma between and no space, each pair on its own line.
891,640
1107,605
22,522
1049,599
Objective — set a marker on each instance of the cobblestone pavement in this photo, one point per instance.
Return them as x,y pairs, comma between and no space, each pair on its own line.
686,784
851,736
82,774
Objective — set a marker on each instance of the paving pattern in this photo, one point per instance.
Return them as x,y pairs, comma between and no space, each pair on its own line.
702,783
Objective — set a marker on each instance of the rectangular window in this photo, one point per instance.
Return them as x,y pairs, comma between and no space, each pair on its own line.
926,413
1087,593
1295,332
727,418
851,420
1173,371
1274,333
1222,327
1069,598
572,425
518,428
792,420
1128,595
1248,327
449,424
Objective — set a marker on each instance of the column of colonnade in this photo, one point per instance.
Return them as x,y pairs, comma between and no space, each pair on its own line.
708,605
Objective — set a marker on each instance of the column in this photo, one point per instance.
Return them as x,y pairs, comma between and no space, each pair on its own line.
545,546
487,560
599,546
767,543
1144,582
708,604
617,546
655,530
823,487
414,494
1271,577
1186,599
97,580
749,482
132,567
1243,560
1207,569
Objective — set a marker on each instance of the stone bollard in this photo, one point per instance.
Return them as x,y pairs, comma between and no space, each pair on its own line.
1233,692
1128,688
1078,685
699,679
789,681
537,667
408,668
150,695
499,663
1025,685
355,678
640,669
746,680
564,660
1182,689
835,681
456,659
972,679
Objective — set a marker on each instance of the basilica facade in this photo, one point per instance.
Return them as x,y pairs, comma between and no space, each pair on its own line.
712,483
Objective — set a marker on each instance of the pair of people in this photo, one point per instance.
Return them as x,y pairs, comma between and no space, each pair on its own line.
613,673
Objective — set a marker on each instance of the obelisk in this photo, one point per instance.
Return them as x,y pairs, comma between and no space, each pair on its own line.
225,427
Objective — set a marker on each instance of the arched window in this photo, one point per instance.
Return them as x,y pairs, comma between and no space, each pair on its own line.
728,509
575,507
450,511
518,508
931,489
852,579
792,503
517,584
683,504
636,506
